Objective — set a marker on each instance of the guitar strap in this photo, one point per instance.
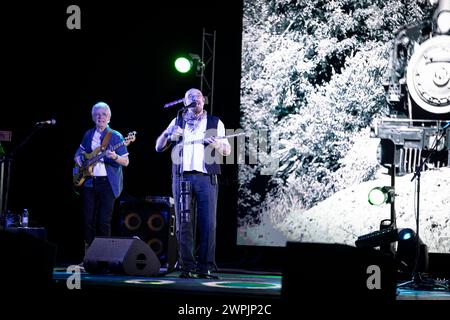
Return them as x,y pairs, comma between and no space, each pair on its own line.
106,140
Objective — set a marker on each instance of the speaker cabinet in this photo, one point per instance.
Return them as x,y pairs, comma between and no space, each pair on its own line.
26,261
153,221
130,256
322,272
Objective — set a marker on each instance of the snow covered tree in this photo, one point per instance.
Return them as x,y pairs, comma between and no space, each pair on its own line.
311,75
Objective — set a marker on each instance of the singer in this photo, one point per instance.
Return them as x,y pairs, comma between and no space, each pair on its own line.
195,168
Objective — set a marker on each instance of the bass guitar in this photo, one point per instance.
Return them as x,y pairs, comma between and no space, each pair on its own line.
80,173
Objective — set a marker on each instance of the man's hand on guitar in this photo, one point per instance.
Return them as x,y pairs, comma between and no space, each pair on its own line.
224,149
211,141
121,160
174,133
78,161
112,155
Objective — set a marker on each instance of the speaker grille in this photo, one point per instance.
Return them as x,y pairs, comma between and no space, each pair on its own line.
152,221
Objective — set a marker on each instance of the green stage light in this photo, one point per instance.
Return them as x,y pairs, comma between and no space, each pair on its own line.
381,195
183,64
186,63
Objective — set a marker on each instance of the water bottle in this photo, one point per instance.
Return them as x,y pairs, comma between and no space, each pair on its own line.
9,219
25,217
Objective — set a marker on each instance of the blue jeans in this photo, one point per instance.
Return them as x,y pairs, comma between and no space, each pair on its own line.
204,191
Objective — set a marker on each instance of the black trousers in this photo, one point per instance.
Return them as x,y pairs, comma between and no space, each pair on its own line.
204,191
98,205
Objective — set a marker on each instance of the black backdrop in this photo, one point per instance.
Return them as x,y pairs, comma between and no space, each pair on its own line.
122,55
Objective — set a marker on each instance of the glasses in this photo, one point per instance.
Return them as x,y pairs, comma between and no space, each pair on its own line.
100,114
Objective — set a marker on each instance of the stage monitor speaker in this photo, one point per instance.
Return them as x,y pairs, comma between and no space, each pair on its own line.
153,221
323,272
116,255
26,261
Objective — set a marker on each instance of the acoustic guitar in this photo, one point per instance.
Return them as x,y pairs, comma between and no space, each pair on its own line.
80,173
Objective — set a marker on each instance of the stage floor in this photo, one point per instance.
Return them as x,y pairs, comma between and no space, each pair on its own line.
232,283
238,294
229,283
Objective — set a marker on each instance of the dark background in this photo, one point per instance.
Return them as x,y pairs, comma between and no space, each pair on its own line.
122,55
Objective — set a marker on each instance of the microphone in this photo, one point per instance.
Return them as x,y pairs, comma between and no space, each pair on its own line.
167,105
50,122
446,125
192,105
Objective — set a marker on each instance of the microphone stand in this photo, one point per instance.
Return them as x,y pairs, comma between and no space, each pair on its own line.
417,281
8,159
184,187
180,169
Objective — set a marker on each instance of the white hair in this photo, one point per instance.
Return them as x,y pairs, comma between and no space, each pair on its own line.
101,105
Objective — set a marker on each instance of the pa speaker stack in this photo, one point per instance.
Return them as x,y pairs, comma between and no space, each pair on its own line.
152,220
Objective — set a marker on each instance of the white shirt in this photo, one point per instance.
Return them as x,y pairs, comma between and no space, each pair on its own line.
194,153
99,168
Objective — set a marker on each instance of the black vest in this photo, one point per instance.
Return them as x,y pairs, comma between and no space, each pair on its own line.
211,130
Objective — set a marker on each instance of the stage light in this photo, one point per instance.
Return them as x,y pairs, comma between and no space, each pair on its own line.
377,238
385,235
405,234
408,246
186,63
183,65
380,195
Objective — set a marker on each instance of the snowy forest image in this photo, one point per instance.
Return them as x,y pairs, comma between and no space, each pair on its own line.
312,77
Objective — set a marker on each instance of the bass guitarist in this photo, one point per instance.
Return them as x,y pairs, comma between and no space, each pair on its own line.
104,181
